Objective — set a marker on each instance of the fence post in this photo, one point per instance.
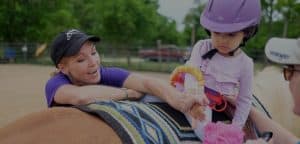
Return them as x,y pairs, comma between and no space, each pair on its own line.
158,42
24,51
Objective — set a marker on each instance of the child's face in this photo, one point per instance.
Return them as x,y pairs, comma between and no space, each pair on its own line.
226,42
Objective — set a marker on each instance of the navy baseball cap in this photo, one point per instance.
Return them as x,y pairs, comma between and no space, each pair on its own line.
68,43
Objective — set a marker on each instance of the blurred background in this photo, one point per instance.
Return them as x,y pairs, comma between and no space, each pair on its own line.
141,35
128,29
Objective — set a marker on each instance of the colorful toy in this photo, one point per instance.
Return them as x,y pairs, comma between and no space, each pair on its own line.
177,80
178,74
216,99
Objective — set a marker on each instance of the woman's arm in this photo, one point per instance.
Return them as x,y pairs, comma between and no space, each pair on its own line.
76,95
162,90
264,123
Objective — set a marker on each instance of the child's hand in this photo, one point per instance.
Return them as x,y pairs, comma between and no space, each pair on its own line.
198,114
197,110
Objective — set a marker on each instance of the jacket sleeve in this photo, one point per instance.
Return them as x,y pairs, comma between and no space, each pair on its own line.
244,98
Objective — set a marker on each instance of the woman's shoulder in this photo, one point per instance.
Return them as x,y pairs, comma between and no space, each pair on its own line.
109,73
112,70
58,78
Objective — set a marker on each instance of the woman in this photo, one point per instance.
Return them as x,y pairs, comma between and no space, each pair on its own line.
81,79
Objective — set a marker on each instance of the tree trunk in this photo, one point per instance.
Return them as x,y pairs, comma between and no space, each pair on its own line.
285,28
193,35
270,20
128,57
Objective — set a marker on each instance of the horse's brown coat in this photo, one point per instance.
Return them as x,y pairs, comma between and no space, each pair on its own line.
58,126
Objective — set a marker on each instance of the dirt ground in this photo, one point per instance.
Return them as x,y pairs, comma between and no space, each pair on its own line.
22,92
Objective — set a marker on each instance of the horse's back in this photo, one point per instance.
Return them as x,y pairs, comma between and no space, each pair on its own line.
58,126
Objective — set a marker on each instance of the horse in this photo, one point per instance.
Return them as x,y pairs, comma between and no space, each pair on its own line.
65,125
89,125
59,125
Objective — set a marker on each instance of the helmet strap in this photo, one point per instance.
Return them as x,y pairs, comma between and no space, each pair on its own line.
212,52
231,53
209,54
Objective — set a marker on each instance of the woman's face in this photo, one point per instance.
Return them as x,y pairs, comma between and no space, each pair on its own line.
83,68
226,42
295,90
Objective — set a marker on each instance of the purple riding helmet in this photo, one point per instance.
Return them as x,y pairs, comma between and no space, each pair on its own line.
230,15
226,16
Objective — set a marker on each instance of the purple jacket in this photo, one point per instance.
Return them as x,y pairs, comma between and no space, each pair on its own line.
109,76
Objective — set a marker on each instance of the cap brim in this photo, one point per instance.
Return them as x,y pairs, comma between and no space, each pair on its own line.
75,48
283,51
224,28
93,38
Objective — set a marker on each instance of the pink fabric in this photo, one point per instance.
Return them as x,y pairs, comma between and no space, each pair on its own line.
220,133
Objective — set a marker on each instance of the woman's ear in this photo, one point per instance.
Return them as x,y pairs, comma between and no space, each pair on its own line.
62,67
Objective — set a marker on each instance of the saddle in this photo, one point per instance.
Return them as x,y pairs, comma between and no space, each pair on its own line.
157,122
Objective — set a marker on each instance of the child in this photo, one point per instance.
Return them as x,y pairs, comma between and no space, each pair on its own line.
227,70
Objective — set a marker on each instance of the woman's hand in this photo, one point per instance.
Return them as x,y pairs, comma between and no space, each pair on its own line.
197,111
134,95
184,102
198,114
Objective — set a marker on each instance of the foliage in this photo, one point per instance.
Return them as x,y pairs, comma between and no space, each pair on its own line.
33,20
131,24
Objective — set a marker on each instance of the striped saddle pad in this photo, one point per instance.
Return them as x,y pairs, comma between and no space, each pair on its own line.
153,123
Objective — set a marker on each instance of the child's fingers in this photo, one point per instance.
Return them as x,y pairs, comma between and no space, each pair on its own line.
197,112
205,101
194,123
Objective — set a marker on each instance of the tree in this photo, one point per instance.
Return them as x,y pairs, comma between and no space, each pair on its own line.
33,20
290,11
193,29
